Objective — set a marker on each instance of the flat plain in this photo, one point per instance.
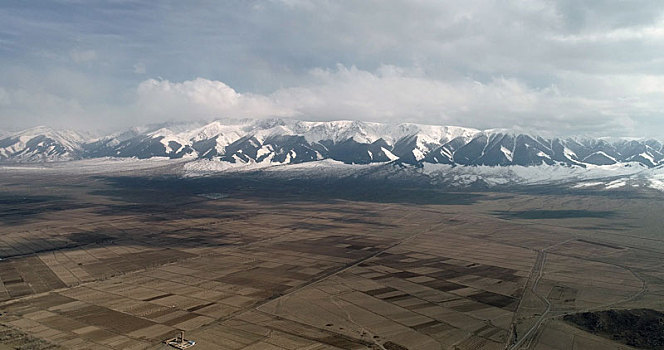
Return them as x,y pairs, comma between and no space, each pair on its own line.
127,260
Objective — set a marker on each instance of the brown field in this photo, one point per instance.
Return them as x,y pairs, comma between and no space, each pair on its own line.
101,262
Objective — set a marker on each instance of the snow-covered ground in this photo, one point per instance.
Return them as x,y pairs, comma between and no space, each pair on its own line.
608,177
532,175
326,167
95,165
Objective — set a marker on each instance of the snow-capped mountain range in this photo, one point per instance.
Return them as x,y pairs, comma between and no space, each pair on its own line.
277,141
42,144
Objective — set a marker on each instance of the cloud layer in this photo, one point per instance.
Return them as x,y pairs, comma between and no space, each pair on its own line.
566,66
201,99
395,95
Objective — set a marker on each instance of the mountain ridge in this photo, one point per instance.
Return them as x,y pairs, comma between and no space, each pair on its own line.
279,141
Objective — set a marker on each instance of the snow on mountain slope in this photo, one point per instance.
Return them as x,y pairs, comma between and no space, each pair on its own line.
42,144
285,141
365,132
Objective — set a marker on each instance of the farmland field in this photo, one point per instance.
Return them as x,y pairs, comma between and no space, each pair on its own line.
127,260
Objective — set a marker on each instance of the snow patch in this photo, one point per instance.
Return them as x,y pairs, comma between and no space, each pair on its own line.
389,154
263,151
506,152
569,154
616,184
418,154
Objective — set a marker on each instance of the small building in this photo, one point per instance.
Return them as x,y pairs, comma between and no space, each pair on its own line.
180,342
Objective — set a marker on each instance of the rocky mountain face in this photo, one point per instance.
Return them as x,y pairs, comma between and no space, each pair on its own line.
288,142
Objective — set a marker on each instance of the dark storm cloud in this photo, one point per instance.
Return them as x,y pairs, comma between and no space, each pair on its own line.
565,66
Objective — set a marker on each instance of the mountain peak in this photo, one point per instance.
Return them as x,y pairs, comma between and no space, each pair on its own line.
288,141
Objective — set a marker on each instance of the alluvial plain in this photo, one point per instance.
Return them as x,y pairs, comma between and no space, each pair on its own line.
127,260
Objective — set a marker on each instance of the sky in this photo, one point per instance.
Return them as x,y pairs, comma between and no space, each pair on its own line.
568,67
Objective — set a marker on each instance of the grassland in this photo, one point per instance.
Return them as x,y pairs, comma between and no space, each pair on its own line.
124,261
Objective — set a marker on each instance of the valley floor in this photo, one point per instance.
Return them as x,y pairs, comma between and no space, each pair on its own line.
125,261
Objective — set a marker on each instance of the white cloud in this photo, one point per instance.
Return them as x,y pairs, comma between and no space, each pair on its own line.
396,95
201,99
393,94
654,32
566,66
599,105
